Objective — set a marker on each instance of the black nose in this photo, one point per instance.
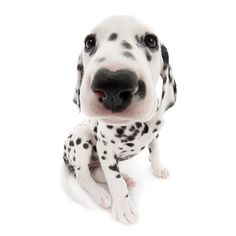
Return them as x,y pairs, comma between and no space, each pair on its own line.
115,89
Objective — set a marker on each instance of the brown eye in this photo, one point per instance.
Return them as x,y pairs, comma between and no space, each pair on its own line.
90,42
150,41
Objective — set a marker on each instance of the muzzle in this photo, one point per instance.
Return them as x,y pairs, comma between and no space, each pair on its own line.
115,89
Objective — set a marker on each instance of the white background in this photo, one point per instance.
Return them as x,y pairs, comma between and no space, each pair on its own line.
39,45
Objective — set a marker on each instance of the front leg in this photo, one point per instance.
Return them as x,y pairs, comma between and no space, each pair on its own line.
122,205
159,170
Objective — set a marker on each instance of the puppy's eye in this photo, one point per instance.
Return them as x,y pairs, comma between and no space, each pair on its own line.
90,42
150,41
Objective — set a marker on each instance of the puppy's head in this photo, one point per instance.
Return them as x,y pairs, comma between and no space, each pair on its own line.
118,70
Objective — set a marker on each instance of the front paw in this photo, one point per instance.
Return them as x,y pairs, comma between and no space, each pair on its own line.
161,172
124,210
102,198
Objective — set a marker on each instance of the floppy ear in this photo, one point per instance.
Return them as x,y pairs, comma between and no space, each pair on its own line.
80,73
169,89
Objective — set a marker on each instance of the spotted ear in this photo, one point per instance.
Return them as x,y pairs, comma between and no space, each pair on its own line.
169,89
80,73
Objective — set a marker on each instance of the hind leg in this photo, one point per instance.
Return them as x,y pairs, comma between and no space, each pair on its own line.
98,175
78,150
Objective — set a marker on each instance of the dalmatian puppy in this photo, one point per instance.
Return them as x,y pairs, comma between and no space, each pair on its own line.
118,70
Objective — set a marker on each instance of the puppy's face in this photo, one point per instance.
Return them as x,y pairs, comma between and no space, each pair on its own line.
120,63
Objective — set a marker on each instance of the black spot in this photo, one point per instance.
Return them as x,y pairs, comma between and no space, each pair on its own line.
132,150
96,137
118,176
78,168
157,136
164,54
94,148
165,66
74,151
142,148
73,158
114,167
136,131
93,50
150,150
120,148
127,157
80,68
101,59
105,152
71,143
64,147
124,140
112,141
158,122
128,55
141,89
71,168
127,195
85,145
69,149
104,158
175,88
65,160
131,137
95,129
113,37
164,79
155,130
130,144
75,101
148,56
104,142
89,141
138,124
163,94
134,134
126,45
102,134
69,136
65,157
78,141
170,76
132,128
145,129
171,104
110,126
120,132
139,40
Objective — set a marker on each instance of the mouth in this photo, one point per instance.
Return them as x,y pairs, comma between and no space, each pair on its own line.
116,120
138,110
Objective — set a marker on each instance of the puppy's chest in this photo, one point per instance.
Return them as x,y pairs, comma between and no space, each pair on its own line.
126,141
